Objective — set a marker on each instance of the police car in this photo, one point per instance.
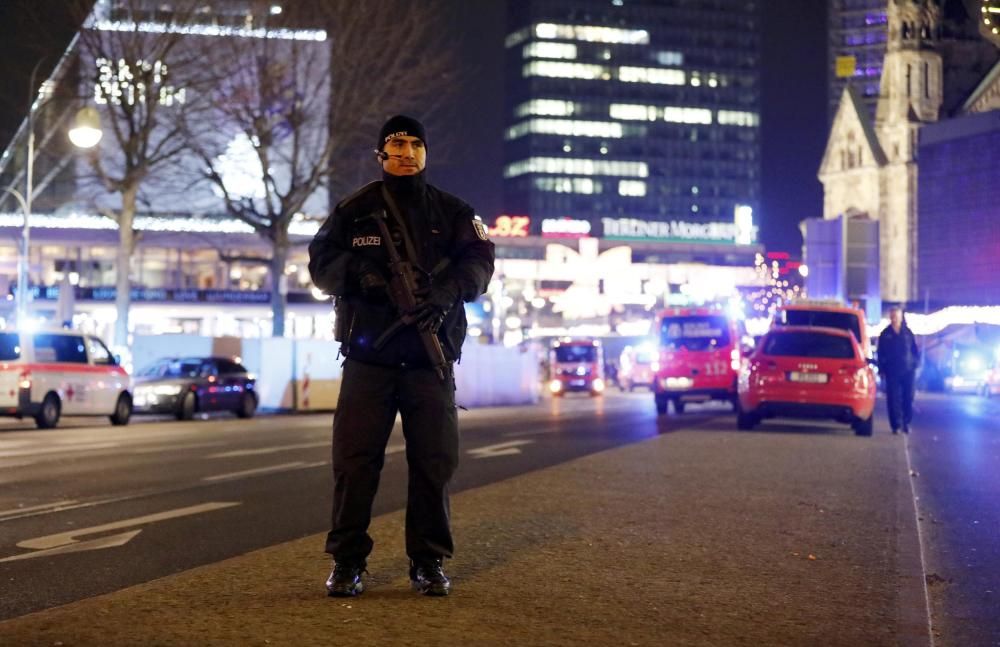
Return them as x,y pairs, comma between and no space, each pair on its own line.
49,374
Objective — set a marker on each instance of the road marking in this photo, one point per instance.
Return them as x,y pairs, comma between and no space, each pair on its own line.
172,448
268,450
13,465
67,542
35,508
508,448
14,443
284,467
111,541
57,450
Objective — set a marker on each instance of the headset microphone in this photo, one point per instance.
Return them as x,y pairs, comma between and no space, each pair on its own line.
382,155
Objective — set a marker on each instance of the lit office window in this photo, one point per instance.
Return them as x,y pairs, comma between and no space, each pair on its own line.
583,185
546,108
634,112
651,75
673,114
679,115
592,34
550,50
576,166
565,127
632,188
738,118
557,70
669,58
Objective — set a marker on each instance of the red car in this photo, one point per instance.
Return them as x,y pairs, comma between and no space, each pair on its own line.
807,372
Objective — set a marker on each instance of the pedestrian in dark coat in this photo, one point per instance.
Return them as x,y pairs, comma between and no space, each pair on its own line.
898,357
349,259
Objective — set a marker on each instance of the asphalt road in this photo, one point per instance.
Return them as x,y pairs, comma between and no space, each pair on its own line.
955,454
87,509
72,499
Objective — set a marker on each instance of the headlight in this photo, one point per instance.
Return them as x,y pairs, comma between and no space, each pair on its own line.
555,386
598,384
167,389
678,382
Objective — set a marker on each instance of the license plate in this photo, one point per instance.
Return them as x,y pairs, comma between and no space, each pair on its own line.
808,378
578,382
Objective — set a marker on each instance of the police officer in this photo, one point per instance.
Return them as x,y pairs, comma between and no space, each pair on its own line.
349,260
897,364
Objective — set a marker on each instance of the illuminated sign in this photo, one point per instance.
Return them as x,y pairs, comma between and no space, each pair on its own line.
510,227
674,231
845,66
128,83
743,219
565,228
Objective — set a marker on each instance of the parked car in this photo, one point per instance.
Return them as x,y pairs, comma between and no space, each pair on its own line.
828,314
991,383
699,357
807,372
49,374
189,385
576,365
969,369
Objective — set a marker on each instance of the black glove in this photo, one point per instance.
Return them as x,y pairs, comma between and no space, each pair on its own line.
372,282
434,303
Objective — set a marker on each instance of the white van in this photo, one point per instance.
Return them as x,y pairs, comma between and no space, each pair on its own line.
49,374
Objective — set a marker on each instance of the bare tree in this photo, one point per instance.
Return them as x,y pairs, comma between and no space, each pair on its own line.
144,79
303,115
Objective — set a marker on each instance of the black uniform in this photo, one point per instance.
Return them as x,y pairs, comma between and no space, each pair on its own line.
397,377
897,364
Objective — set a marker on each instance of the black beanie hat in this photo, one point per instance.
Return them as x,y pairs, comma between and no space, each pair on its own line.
401,125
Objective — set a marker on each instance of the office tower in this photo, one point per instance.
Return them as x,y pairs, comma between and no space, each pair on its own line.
857,35
632,110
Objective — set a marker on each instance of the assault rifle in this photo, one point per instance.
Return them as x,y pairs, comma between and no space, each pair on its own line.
402,285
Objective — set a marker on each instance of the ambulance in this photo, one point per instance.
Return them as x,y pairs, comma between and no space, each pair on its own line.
699,357
576,365
49,374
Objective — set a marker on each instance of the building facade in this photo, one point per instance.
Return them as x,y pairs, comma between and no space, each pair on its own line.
857,32
934,58
959,241
640,109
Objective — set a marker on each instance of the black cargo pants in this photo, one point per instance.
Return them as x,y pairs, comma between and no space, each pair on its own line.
899,398
366,410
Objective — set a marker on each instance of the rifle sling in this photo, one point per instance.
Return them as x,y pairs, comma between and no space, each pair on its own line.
407,242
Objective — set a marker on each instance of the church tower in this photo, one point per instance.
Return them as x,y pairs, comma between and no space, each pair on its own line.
912,92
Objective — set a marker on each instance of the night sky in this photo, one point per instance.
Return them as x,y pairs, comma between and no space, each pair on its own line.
793,119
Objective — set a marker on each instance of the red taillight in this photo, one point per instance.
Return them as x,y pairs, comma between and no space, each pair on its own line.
24,379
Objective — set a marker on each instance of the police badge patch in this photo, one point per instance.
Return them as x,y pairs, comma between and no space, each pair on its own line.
480,227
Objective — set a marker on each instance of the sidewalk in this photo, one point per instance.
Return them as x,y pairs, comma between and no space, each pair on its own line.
699,537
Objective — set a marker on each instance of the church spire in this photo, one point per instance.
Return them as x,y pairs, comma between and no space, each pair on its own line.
914,24
911,88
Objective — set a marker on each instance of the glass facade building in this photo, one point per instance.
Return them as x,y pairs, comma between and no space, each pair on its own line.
639,109
857,28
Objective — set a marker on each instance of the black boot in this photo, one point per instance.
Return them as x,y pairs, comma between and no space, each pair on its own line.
427,577
345,580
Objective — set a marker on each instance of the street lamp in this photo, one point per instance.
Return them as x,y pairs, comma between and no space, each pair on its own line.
85,133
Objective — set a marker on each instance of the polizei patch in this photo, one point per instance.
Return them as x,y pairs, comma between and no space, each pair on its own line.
366,241
480,227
